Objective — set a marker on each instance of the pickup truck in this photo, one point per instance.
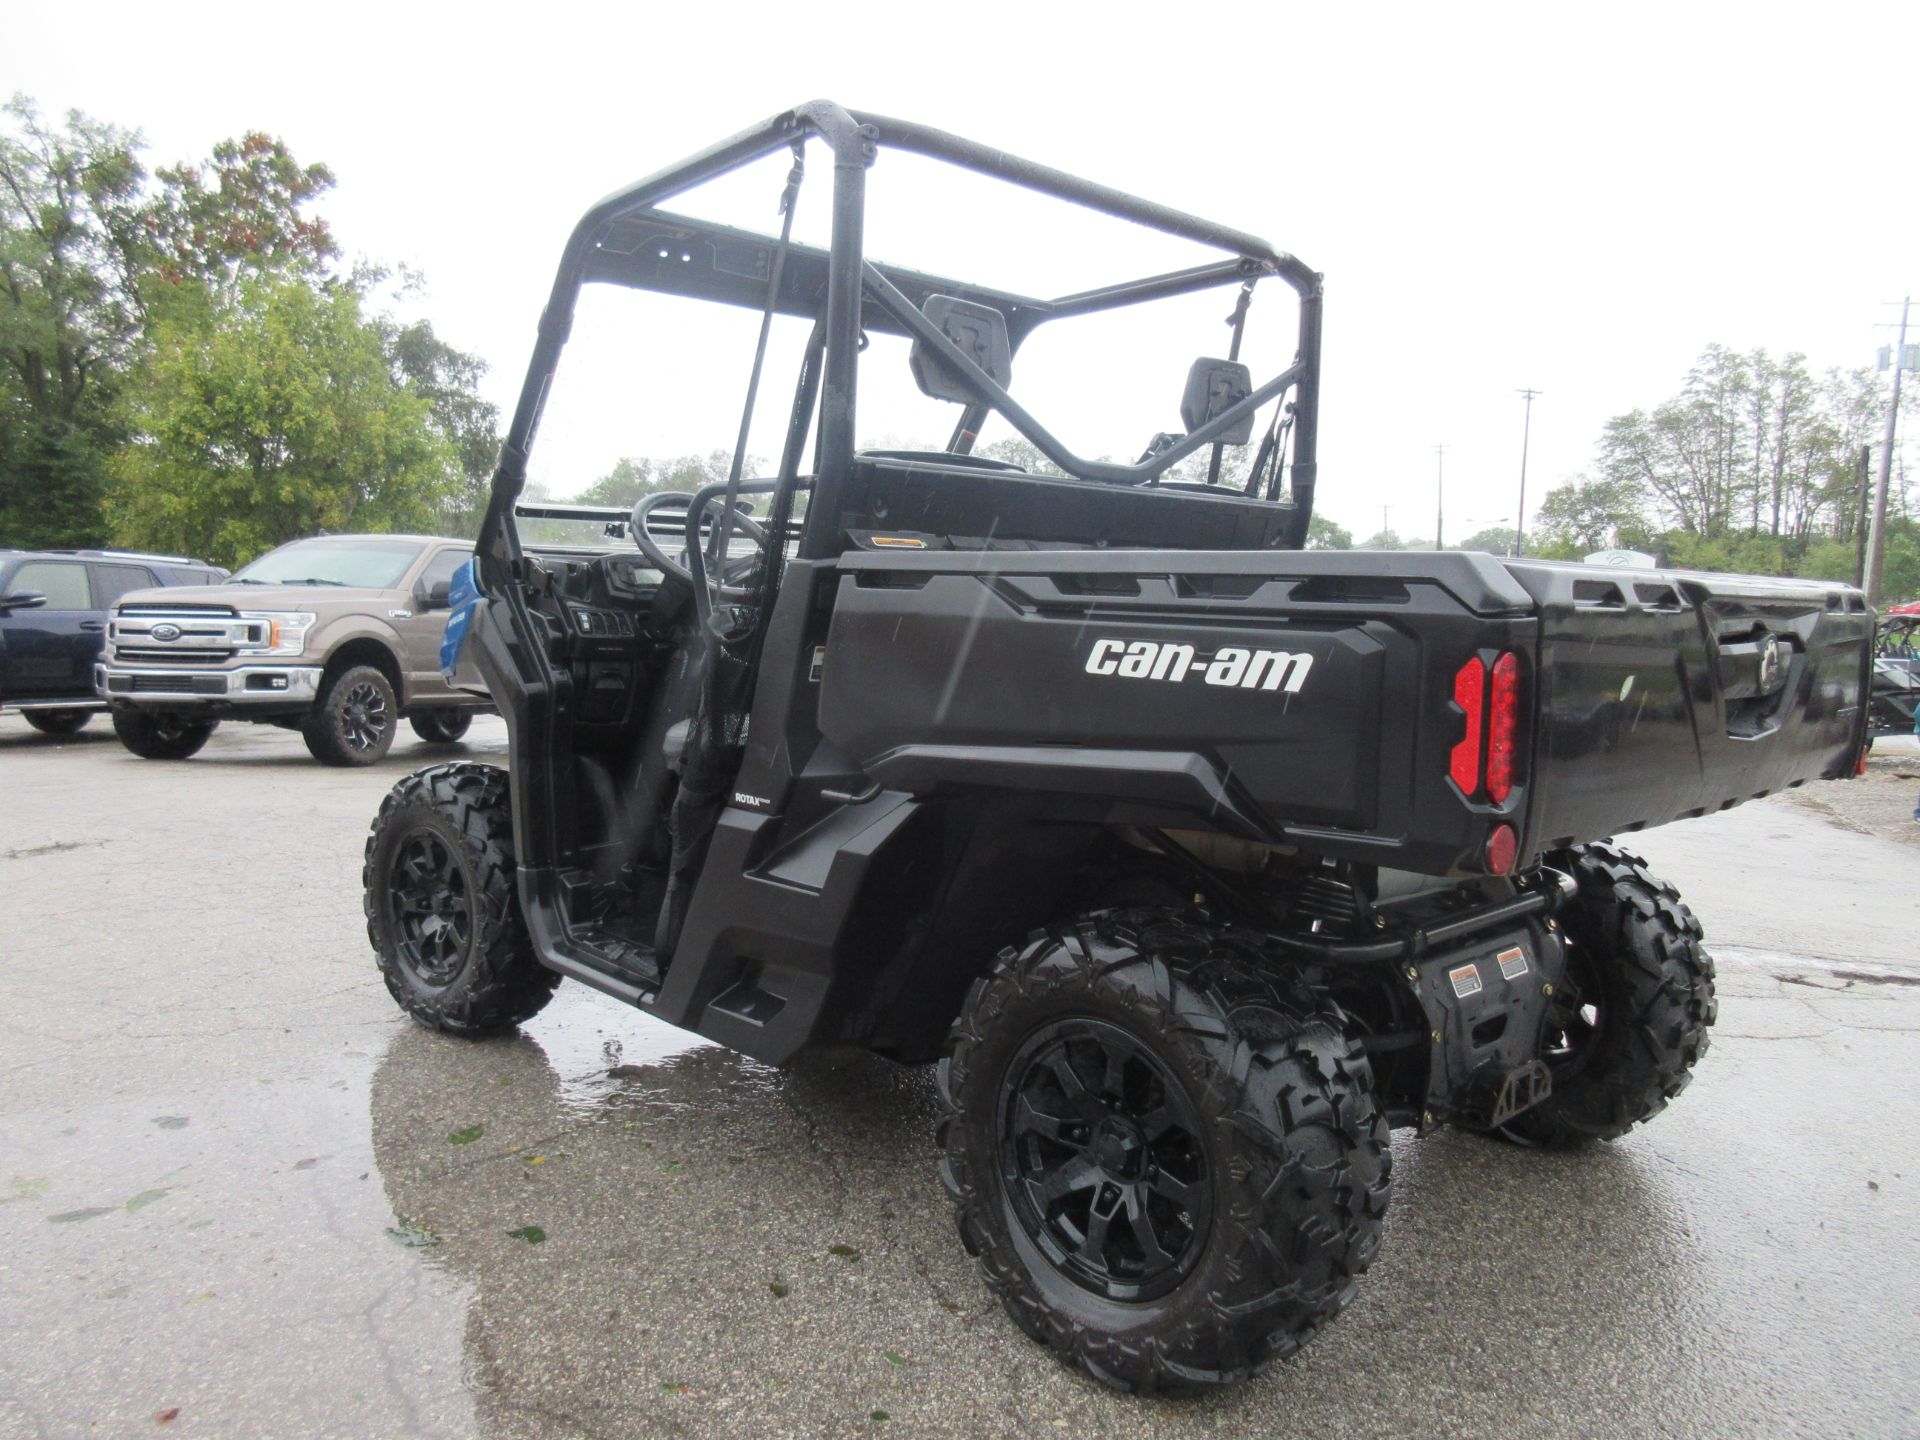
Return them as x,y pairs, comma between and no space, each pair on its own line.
53,620
336,636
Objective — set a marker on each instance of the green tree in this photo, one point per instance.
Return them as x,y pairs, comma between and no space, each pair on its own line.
633,476
448,381
69,317
1588,515
276,415
1324,534
1495,540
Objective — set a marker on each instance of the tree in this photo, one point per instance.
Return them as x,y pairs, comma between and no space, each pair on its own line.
277,415
1384,540
1495,540
90,257
633,476
1588,515
1324,534
69,318
448,381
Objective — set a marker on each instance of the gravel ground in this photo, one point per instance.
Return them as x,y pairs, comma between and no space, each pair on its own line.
1881,802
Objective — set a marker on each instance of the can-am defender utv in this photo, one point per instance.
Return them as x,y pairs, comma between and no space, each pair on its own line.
1201,859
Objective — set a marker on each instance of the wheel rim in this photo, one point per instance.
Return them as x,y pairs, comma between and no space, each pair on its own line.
431,911
170,728
1103,1159
1575,1017
363,717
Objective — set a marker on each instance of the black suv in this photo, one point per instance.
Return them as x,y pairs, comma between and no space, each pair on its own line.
53,620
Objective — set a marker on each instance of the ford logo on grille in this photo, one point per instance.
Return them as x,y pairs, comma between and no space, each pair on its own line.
165,632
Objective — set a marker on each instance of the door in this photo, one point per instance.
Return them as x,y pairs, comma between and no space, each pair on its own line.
51,648
420,632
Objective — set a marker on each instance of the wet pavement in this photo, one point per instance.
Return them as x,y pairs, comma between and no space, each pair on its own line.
240,1196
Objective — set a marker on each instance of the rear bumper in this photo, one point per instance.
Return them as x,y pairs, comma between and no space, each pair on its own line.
245,686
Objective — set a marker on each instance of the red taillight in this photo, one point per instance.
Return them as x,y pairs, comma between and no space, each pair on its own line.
1502,845
1469,692
1503,728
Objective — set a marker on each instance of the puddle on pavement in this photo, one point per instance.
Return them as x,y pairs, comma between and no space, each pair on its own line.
594,1044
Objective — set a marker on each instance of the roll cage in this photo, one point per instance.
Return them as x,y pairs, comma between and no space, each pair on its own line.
626,240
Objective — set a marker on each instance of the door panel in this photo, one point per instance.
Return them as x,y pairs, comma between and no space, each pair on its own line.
51,649
420,632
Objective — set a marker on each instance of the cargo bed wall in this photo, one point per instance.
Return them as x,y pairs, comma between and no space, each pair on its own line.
1669,694
1281,696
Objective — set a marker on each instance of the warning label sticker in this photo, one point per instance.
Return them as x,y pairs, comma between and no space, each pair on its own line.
1465,980
1513,963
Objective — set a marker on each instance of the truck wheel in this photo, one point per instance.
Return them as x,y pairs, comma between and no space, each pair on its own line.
57,722
441,725
1171,1169
440,904
352,723
1631,1019
161,737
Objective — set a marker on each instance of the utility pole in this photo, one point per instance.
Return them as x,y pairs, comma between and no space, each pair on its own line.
1520,517
1439,497
1864,490
1877,527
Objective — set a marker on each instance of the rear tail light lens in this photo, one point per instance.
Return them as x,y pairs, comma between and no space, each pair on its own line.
1503,728
1469,693
1502,846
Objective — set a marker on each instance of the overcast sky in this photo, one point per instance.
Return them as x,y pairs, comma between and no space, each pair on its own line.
1573,199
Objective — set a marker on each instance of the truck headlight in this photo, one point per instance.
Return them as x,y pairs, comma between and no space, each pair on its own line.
280,632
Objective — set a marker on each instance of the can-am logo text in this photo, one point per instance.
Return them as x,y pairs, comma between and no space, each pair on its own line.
1282,670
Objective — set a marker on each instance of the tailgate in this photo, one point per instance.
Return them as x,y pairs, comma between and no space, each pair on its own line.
1666,694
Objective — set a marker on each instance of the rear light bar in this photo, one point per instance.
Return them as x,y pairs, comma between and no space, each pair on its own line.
1489,747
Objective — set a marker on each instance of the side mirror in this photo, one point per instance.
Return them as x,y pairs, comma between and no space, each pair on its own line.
1214,387
437,596
980,333
21,600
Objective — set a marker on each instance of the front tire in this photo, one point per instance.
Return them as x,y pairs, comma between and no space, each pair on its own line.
1631,1019
442,913
353,721
161,737
57,722
1170,1167
442,725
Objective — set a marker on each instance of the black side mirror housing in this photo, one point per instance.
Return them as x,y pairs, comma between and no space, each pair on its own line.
980,333
21,600
437,596
1214,387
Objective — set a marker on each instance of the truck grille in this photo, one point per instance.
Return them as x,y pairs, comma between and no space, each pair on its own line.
181,634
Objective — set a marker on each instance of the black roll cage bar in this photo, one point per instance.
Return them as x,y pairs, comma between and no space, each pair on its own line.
625,240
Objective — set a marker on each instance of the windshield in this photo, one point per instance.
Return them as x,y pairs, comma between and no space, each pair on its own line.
368,564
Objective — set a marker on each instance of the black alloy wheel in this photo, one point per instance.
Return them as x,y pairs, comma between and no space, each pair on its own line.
1103,1160
430,910
365,720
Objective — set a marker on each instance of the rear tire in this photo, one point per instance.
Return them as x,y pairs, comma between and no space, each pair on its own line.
1144,1066
161,737
442,725
441,909
353,721
57,722
1632,1016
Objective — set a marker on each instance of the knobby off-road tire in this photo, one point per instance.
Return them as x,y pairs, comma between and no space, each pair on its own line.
441,725
1238,1119
1630,1021
353,721
57,722
161,737
441,910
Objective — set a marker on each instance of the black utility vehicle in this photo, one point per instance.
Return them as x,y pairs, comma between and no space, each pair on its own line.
53,622
1197,859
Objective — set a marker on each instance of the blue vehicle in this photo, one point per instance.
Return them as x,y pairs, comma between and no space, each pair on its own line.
53,621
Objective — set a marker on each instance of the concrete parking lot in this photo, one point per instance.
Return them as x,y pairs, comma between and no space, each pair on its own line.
240,1196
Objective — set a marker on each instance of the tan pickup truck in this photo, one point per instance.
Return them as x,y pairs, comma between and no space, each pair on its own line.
337,637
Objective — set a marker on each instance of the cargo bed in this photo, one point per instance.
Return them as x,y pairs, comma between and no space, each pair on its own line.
1328,698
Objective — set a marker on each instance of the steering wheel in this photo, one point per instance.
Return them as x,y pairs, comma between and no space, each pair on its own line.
676,565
